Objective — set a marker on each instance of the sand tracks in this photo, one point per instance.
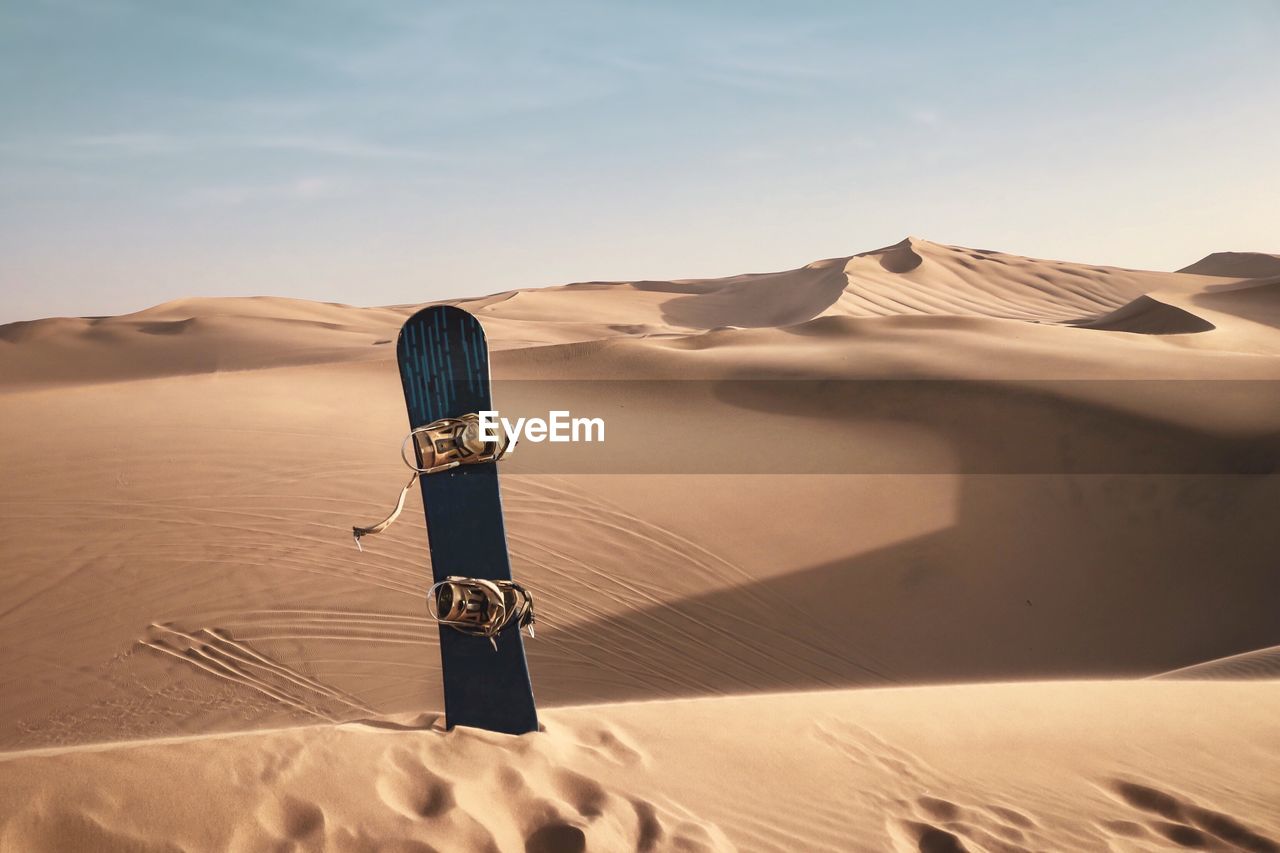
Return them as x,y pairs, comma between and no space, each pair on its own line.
579,552
217,653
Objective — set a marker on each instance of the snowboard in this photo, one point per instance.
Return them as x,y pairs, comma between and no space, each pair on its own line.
444,367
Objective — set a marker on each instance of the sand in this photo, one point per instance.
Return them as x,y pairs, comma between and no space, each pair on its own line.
1011,584
1066,765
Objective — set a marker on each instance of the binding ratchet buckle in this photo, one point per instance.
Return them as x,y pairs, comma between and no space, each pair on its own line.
440,446
450,442
479,607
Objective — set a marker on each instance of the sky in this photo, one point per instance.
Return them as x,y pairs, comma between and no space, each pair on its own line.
396,152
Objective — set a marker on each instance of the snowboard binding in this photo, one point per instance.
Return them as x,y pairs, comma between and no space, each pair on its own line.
479,607
440,446
450,442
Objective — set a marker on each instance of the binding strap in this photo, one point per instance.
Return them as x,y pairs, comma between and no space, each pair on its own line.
479,607
440,445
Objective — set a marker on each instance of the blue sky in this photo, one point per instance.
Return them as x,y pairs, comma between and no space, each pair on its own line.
395,152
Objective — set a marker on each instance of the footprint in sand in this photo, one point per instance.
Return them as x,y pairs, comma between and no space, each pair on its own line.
936,825
517,793
1176,818
291,818
416,793
584,794
611,744
556,838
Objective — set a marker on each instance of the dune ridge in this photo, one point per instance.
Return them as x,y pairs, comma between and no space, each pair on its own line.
1147,316
1256,664
913,278
1236,265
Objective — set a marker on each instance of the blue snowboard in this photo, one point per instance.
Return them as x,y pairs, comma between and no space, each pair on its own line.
444,367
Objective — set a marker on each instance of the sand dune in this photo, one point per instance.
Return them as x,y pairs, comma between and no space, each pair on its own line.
912,278
1147,316
1134,766
1257,302
1258,664
189,336
1236,265
920,464
919,277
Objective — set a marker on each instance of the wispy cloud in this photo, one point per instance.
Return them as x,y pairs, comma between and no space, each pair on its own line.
791,151
925,117
336,146
305,189
122,143
152,143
